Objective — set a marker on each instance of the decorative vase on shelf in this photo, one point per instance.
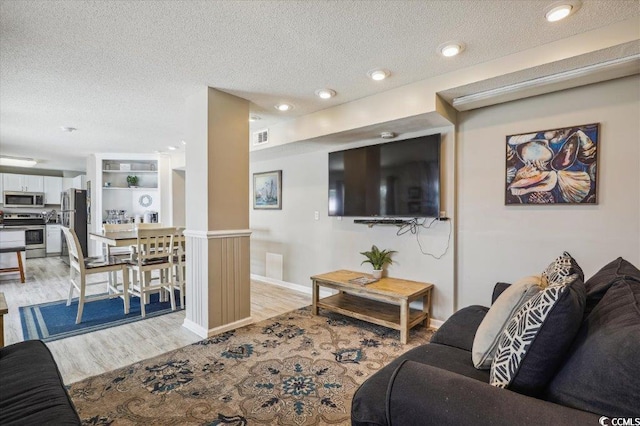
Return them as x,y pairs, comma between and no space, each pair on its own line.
377,258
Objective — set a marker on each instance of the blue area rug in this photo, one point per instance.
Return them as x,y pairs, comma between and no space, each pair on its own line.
55,320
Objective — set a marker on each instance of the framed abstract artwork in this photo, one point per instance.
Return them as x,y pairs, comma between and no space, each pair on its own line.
267,190
557,166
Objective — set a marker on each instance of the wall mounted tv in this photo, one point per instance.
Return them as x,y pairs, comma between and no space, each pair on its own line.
398,179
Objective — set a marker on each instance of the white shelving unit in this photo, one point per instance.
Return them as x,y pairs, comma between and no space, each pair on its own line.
118,195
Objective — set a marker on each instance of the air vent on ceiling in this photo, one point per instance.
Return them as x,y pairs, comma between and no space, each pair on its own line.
261,137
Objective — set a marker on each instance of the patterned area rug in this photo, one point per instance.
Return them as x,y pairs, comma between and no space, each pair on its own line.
294,369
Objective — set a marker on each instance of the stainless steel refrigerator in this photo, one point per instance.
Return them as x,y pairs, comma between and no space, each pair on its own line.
74,215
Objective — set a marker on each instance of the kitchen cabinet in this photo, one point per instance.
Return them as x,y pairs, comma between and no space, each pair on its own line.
52,189
22,183
54,239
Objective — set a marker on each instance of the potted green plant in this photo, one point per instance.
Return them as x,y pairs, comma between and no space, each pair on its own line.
132,181
377,258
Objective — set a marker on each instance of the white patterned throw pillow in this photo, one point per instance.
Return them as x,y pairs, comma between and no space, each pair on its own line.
522,330
559,269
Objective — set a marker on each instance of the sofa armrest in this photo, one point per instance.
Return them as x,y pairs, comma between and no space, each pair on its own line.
460,329
420,394
497,291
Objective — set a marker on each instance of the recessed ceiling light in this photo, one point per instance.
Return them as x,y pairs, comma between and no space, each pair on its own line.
450,48
558,13
183,142
253,118
284,107
561,9
68,129
172,148
378,74
325,93
17,162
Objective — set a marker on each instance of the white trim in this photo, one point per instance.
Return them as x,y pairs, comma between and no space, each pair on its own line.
204,333
226,233
194,328
436,324
291,286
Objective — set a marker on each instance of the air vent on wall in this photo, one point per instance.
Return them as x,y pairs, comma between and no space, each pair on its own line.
261,137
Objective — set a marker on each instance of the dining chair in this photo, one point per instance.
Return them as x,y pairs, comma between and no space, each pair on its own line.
149,225
179,261
153,252
122,253
80,267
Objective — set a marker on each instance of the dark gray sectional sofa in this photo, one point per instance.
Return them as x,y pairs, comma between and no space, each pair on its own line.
438,384
31,389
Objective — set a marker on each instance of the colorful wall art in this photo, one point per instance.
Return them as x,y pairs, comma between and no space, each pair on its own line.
556,166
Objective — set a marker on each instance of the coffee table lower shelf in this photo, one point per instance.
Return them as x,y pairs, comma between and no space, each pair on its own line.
373,311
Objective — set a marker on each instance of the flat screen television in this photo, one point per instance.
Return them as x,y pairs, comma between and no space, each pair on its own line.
394,179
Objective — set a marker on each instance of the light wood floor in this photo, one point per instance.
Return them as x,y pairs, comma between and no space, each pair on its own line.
94,353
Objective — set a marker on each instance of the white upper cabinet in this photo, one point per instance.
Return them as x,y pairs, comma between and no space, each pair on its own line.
23,183
52,189
12,182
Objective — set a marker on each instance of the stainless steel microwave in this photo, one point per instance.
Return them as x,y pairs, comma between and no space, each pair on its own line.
23,199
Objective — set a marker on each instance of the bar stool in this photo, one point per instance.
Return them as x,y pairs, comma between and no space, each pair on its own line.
20,267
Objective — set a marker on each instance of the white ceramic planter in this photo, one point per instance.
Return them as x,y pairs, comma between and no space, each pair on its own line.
377,273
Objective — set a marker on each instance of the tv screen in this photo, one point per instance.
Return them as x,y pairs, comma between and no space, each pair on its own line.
400,179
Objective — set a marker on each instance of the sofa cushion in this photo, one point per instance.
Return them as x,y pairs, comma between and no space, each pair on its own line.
537,338
615,271
459,330
602,371
31,389
506,305
368,404
562,267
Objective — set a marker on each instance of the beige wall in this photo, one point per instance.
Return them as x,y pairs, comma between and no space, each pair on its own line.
503,243
491,242
310,246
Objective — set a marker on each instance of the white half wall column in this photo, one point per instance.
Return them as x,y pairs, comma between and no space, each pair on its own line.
218,294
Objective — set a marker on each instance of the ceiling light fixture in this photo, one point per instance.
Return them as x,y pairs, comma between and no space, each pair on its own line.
172,148
378,74
284,107
253,118
558,13
68,129
561,9
450,48
17,162
183,142
325,93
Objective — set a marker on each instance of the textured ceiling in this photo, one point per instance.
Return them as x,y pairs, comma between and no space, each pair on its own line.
120,71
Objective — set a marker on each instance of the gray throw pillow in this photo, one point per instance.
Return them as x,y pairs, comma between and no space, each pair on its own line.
506,305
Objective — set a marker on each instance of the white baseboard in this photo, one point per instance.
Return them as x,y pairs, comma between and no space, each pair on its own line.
434,323
291,286
204,333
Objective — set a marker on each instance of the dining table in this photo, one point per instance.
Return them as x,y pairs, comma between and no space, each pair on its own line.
122,238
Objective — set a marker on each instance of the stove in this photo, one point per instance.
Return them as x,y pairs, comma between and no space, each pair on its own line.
34,231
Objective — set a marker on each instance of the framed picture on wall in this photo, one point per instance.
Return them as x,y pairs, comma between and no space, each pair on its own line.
557,166
267,190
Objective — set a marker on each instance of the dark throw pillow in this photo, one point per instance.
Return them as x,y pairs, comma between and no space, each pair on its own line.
535,341
615,271
602,371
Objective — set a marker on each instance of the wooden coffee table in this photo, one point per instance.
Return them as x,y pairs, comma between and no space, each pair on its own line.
384,302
